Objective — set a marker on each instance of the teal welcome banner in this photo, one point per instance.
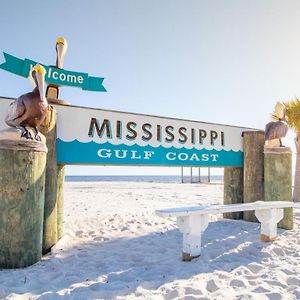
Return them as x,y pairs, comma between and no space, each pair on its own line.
53,75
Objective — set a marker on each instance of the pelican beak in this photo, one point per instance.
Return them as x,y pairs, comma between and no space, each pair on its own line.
61,49
280,110
32,81
40,77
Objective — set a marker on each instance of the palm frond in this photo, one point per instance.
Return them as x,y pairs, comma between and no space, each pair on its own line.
293,114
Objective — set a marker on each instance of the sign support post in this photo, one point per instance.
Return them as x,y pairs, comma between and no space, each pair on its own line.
52,197
253,170
233,190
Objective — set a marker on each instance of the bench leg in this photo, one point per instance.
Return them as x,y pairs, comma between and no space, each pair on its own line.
269,219
192,227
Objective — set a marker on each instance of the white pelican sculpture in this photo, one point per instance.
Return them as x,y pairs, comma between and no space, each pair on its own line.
61,49
277,130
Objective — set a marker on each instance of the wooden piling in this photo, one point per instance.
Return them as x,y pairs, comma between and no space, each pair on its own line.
22,182
278,180
50,235
233,190
253,143
60,200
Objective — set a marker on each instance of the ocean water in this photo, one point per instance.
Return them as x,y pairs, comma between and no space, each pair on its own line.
165,179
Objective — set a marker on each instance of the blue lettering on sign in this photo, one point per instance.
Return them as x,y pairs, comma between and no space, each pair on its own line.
76,152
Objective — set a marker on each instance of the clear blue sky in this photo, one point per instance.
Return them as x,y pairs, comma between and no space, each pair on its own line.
215,61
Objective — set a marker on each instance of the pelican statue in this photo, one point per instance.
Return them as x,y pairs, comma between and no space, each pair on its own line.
30,109
277,130
61,49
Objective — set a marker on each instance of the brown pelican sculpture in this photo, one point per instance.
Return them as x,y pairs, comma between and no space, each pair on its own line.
277,130
61,49
30,109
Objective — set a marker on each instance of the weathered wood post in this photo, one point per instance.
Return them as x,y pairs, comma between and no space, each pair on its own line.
55,177
22,181
253,169
60,200
60,180
233,190
278,180
50,235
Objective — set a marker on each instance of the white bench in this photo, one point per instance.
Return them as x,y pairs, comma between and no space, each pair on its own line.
192,221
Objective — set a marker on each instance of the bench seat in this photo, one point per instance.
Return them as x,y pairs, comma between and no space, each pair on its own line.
222,208
192,221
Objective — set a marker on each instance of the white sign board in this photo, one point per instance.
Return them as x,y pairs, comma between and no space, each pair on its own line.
104,137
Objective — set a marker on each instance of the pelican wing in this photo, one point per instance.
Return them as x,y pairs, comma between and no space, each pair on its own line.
15,112
269,131
275,130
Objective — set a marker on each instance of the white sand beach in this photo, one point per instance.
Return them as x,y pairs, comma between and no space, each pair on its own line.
115,247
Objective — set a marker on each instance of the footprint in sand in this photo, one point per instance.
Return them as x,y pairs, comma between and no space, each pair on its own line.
171,294
274,296
193,291
253,282
236,283
287,272
255,268
293,280
211,286
261,290
79,233
276,283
